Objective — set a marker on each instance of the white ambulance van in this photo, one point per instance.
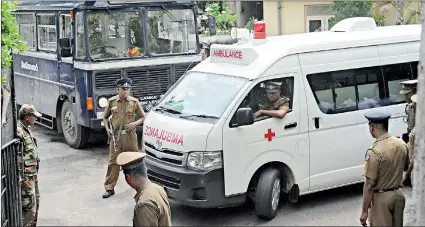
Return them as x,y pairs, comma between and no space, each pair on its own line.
206,149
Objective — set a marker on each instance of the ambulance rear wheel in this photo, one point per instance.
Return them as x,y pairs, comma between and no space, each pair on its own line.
267,195
76,135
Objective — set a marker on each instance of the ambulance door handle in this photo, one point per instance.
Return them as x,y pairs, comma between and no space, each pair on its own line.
316,122
291,125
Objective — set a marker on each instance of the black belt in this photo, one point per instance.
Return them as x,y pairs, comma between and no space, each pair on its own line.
386,190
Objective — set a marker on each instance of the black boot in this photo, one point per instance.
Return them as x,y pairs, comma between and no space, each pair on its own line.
108,194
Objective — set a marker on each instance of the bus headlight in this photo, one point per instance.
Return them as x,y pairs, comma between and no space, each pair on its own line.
103,102
203,161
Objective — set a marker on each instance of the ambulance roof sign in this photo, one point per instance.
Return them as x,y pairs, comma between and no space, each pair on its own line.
232,55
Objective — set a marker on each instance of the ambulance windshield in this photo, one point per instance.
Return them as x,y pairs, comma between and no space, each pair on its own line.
202,96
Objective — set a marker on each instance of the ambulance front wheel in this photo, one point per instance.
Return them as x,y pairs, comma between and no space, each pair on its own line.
267,195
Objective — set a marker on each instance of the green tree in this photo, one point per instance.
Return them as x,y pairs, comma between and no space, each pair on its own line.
225,19
346,9
410,16
203,4
10,38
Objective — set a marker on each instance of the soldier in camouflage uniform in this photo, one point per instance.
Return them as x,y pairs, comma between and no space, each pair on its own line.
275,105
408,89
29,186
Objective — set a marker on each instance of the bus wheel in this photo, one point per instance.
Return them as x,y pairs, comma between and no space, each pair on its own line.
267,195
76,135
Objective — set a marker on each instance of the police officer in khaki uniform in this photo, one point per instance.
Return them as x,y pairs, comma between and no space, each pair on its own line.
385,163
275,105
122,109
152,205
408,88
411,146
30,193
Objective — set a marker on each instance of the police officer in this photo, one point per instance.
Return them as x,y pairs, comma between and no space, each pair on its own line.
121,132
408,88
30,194
385,163
275,105
205,52
152,205
411,146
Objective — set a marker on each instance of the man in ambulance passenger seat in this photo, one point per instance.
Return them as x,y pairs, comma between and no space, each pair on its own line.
275,105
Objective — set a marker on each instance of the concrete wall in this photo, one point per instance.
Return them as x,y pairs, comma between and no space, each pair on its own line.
293,16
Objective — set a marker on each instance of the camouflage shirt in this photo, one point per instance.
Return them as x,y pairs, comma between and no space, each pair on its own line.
410,116
267,105
29,150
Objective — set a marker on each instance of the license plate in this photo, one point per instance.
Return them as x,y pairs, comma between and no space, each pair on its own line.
99,115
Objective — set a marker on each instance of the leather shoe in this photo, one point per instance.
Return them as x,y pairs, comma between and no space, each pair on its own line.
108,194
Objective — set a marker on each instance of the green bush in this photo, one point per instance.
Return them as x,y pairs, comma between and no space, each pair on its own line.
10,38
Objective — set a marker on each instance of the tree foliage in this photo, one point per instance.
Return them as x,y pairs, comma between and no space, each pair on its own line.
225,19
347,9
405,14
10,38
203,4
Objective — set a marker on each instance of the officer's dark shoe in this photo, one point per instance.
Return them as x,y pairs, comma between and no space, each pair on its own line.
108,193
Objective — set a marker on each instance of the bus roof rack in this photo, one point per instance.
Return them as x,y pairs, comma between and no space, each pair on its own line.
69,5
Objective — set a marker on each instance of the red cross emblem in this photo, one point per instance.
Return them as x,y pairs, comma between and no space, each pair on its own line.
269,135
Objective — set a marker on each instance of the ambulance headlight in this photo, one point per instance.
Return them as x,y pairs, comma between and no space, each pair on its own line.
103,102
203,161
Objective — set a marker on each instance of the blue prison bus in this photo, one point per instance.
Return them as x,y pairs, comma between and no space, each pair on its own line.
78,49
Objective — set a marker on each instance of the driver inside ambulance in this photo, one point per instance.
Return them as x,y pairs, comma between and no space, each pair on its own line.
275,105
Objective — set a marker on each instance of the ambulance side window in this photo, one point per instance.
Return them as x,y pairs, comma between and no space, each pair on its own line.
257,97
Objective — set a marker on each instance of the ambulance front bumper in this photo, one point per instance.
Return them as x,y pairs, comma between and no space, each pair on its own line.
192,188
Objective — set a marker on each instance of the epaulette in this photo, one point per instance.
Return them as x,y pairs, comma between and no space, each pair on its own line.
132,98
285,99
113,98
20,132
146,203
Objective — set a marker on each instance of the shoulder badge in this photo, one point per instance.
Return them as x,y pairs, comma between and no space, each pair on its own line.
146,203
113,98
367,156
285,99
131,98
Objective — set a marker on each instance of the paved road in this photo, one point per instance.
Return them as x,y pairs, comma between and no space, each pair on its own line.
71,185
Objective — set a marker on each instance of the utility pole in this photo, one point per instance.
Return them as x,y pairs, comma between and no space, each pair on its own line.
419,163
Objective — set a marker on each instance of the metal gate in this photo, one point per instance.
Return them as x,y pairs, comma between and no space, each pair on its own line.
11,164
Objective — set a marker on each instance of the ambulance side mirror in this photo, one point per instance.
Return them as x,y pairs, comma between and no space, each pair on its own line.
244,116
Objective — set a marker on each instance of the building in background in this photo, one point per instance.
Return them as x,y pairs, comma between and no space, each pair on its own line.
302,16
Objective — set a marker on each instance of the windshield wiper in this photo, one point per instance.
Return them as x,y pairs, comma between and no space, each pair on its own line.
199,115
168,110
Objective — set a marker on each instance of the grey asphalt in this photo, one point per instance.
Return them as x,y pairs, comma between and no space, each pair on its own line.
71,188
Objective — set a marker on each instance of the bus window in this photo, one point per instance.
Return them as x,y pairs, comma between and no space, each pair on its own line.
46,30
172,31
79,40
66,26
115,34
26,26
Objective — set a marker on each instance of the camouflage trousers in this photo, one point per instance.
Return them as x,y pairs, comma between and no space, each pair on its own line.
30,201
